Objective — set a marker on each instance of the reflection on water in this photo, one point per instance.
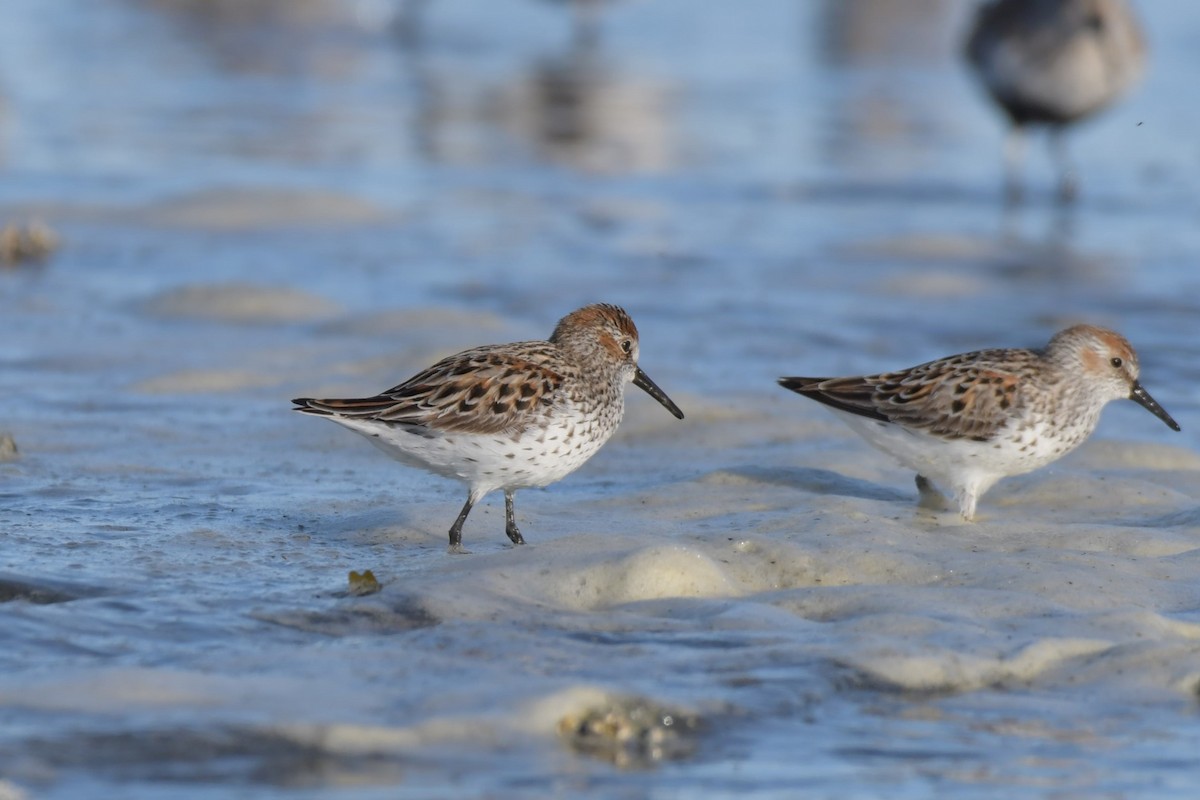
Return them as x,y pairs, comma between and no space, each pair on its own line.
327,38
571,108
585,18
1038,250
882,32
879,52
575,110
331,59
6,121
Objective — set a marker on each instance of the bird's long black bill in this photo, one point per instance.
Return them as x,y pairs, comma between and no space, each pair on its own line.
1143,399
643,382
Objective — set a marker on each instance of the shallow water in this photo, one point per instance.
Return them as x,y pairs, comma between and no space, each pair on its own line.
322,197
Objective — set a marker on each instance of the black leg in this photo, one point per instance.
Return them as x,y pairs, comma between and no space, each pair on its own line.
456,528
930,496
510,520
1014,159
1068,183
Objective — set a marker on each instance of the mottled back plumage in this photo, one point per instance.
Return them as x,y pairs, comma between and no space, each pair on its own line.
968,396
485,390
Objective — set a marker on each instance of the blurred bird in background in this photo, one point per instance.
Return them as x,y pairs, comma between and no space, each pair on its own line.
1053,63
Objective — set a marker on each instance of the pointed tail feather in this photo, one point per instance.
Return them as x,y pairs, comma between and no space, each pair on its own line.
852,395
801,385
353,407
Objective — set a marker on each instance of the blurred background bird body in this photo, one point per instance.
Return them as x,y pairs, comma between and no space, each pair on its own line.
1053,63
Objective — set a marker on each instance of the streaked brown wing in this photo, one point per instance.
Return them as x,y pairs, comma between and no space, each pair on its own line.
970,396
487,390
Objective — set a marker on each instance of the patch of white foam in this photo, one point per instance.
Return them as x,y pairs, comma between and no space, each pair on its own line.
649,574
922,668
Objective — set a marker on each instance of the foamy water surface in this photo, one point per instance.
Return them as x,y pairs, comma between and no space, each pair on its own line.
263,200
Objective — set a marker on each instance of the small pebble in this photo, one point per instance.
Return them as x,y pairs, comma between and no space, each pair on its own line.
30,242
8,447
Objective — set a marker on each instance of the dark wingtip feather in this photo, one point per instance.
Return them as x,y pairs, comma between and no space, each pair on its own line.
799,384
811,388
306,405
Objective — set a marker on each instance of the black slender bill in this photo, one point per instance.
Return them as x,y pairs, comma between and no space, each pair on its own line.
1143,399
643,382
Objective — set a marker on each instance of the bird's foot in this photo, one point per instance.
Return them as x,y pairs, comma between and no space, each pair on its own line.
966,504
931,499
510,519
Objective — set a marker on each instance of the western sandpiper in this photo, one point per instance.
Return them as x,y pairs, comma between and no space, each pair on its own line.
1051,63
967,421
508,416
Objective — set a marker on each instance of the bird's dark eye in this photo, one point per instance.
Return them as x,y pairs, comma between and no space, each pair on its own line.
1116,362
627,345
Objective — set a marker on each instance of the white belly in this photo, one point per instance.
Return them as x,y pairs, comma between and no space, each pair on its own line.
538,457
966,462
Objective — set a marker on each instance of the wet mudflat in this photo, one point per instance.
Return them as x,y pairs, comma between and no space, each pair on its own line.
254,202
